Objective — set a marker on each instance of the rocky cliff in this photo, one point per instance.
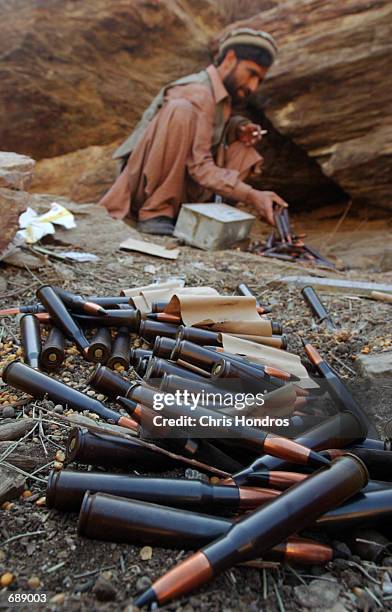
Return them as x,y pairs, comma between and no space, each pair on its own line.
331,89
76,75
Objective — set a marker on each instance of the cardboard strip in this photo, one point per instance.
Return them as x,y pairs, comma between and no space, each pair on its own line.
264,340
270,356
130,244
152,287
165,295
195,310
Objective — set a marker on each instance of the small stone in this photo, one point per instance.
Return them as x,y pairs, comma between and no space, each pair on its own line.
104,590
315,595
91,393
6,579
34,582
8,412
58,408
60,456
377,366
57,465
143,583
146,553
26,494
342,550
100,397
41,501
150,269
58,599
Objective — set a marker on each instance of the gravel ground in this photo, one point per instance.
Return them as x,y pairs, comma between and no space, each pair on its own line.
78,574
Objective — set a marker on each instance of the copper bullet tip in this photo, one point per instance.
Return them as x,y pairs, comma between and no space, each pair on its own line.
9,311
312,353
94,309
277,373
254,497
283,480
302,550
128,423
184,577
228,481
292,451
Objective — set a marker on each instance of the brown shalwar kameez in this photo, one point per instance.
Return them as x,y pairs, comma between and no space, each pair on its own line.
173,162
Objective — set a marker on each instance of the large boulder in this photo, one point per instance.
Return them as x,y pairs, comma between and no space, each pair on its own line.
76,74
16,171
12,204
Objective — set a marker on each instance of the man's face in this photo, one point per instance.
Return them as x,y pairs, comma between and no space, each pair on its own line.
243,80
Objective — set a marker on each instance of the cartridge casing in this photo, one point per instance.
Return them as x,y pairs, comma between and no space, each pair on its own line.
158,367
336,432
255,380
135,354
116,519
114,318
363,510
149,330
39,385
100,346
66,489
289,513
31,340
120,350
61,317
263,528
106,450
199,336
108,382
53,350
317,307
163,347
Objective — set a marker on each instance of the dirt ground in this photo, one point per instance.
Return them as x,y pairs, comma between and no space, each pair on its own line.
80,574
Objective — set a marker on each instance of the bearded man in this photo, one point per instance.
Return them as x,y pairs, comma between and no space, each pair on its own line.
188,144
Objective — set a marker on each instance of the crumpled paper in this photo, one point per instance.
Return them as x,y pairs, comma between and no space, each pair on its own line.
34,226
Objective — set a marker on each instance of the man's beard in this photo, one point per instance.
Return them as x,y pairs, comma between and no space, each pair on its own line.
231,86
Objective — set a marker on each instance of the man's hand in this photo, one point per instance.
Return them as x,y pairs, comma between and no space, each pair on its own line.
265,202
250,134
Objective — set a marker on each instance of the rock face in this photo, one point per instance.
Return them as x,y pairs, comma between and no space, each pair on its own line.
16,171
12,204
82,176
77,75
331,89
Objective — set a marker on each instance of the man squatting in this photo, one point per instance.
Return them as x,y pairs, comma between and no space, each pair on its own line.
188,145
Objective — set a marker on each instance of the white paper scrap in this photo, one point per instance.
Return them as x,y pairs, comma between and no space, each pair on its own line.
34,226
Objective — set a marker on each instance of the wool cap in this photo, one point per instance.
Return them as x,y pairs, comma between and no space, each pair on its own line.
247,36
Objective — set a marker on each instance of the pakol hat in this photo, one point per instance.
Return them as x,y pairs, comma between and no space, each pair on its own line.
247,36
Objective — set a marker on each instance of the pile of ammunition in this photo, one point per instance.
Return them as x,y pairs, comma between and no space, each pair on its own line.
254,491
283,244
